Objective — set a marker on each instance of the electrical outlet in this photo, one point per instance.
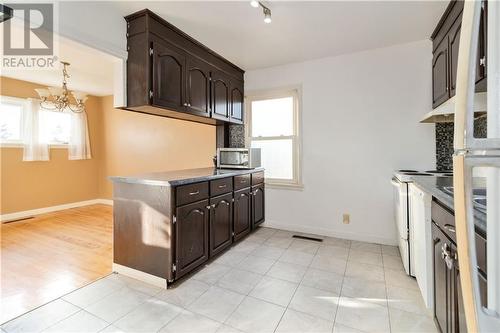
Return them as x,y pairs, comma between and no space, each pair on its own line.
346,218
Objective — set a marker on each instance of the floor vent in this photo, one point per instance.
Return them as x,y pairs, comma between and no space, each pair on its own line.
308,238
18,220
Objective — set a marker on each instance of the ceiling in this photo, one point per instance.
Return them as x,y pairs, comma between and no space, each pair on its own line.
90,71
301,30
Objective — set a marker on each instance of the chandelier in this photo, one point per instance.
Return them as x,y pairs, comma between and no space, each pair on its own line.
58,98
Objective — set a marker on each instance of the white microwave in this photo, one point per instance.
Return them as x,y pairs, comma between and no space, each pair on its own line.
238,158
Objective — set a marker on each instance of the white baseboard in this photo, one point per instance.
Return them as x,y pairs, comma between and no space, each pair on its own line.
330,233
141,276
29,213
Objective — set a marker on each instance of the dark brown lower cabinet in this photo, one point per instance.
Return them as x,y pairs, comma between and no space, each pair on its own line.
242,222
442,281
221,223
191,236
258,205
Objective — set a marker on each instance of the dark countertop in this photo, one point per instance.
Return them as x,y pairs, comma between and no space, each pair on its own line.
435,186
182,177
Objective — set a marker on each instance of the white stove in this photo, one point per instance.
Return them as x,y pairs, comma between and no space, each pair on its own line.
402,210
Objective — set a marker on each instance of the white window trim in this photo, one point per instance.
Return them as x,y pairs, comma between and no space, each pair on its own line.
295,92
19,143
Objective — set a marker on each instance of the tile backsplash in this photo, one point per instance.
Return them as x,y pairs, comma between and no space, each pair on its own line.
236,136
444,142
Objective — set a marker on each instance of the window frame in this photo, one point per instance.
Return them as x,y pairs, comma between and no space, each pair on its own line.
20,102
295,93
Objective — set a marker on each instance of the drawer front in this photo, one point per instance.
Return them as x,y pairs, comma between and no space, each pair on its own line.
221,186
444,219
257,178
191,193
241,182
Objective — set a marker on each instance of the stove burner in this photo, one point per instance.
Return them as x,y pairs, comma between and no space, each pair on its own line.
403,170
418,174
440,171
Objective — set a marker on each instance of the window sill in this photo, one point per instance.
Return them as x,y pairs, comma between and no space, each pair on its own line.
284,186
20,145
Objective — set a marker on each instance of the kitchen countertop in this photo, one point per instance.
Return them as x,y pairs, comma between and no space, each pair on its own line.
182,177
435,185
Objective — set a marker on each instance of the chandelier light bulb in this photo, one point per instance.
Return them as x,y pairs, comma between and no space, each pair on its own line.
267,15
254,4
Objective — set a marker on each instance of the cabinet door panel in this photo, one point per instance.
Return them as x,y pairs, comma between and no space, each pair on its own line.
440,281
242,213
440,75
258,205
168,76
198,86
236,102
454,42
191,236
221,222
220,96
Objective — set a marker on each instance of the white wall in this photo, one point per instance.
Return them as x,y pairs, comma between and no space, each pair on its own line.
360,116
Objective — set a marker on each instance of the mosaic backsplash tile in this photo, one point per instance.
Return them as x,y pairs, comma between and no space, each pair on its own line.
236,136
444,142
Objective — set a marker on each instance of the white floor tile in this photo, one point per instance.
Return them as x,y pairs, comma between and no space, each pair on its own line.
281,242
117,304
399,278
211,273
339,328
393,262
316,302
288,272
150,316
274,290
190,322
264,232
333,251
136,285
257,265
239,281
296,257
364,316
93,292
111,329
184,293
409,300
294,321
246,246
216,303
231,258
323,280
257,238
365,290
365,257
337,242
306,246
364,271
402,321
363,246
283,234
228,329
82,321
41,318
329,263
390,250
254,315
268,252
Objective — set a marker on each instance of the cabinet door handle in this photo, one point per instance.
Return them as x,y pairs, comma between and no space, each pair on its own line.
243,181
450,228
222,186
185,104
482,61
194,193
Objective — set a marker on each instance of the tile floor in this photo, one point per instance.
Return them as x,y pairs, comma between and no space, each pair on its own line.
270,282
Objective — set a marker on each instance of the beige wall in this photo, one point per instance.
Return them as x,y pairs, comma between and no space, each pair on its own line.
135,143
123,143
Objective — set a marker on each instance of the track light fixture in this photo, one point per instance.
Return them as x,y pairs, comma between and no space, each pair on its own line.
265,10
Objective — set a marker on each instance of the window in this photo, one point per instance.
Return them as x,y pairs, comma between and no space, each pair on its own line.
11,120
55,127
273,126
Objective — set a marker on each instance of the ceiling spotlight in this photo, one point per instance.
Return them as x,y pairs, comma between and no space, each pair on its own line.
254,4
267,15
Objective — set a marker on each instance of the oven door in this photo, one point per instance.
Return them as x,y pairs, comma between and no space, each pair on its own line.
401,218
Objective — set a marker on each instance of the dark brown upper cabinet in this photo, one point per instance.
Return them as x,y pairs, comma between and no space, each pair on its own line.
446,41
220,96
237,101
171,74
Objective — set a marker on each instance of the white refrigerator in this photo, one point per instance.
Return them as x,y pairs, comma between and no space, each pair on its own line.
474,159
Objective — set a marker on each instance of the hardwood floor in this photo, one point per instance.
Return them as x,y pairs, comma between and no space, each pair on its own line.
52,254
